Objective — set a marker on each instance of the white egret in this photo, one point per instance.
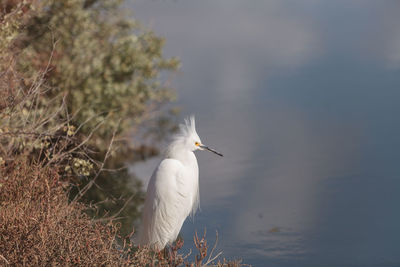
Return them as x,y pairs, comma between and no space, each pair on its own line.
173,190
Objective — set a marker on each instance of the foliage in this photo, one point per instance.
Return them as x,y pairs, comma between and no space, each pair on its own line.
107,70
108,66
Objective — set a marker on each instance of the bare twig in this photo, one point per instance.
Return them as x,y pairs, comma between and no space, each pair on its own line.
90,184
210,257
114,217
75,148
3,258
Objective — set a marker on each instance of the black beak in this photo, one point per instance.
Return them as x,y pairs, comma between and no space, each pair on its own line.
211,150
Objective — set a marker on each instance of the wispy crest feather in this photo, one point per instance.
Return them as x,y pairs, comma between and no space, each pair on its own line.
186,129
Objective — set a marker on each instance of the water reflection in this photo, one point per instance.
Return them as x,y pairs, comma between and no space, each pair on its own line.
302,100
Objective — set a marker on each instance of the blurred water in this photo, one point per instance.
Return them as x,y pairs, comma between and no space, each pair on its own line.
302,98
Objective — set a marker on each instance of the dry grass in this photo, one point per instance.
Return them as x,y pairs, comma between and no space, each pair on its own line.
39,227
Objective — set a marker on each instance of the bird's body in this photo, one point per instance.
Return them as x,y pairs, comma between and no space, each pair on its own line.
173,190
169,200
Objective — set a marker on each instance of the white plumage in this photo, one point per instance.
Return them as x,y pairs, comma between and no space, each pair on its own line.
173,190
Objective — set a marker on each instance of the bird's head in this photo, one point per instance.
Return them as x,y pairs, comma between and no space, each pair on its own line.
188,135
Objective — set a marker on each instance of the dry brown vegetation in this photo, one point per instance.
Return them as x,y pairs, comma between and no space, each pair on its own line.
39,227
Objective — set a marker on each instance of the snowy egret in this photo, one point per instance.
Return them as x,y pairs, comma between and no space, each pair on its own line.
173,190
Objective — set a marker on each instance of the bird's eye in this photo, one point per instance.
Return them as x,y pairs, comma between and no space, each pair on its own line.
197,143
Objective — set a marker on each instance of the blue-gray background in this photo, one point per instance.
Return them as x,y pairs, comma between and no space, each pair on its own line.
302,97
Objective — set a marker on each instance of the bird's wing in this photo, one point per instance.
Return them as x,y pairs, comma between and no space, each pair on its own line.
167,204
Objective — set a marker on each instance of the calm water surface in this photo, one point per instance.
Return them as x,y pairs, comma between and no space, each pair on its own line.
302,98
